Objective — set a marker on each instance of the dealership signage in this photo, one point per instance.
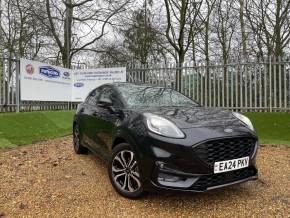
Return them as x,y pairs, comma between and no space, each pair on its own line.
86,80
43,82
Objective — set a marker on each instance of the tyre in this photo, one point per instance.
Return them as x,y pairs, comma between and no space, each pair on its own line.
124,172
79,149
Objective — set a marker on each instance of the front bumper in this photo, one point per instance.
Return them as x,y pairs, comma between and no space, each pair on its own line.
166,164
201,183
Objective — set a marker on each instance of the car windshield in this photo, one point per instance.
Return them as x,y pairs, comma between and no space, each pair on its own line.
148,96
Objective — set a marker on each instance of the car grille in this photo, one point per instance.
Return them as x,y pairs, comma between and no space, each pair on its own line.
225,149
212,180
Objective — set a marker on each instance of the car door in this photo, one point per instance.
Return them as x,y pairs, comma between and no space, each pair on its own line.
104,120
86,121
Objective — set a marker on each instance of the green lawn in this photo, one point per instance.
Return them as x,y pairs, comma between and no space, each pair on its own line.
272,128
25,128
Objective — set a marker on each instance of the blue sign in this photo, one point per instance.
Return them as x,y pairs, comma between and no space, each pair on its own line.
66,74
78,85
49,72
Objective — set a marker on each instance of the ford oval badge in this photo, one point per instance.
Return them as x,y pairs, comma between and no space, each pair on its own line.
78,85
228,130
66,74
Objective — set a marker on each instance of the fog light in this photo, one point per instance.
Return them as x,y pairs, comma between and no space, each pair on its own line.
168,178
160,164
175,181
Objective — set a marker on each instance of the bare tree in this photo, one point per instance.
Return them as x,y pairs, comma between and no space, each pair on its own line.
1,33
225,25
243,27
205,16
19,29
77,25
269,22
70,30
114,54
141,37
205,33
181,17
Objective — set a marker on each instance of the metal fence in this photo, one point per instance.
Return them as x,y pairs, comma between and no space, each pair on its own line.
244,86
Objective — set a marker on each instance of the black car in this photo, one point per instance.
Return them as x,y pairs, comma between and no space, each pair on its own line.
156,138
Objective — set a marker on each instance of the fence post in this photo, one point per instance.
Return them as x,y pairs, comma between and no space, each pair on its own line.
270,82
17,85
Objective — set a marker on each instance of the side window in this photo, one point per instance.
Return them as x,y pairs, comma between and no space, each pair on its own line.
93,96
108,95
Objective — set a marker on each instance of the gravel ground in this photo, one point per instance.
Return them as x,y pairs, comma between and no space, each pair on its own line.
48,180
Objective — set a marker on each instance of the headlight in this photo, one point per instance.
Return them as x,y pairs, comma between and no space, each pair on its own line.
162,126
245,120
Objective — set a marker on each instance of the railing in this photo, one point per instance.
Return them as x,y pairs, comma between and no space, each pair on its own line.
243,86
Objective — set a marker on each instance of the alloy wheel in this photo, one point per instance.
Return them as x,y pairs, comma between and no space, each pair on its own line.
125,171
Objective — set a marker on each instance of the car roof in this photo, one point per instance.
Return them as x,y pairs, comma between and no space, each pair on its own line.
119,84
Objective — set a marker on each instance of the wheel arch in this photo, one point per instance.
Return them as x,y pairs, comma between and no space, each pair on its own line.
123,137
118,140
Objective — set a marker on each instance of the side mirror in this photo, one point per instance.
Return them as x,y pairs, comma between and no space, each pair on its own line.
106,103
118,112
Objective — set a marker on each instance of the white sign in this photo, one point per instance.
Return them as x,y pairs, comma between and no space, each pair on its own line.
43,82
85,81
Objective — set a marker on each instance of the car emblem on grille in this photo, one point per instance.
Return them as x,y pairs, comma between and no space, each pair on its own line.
228,130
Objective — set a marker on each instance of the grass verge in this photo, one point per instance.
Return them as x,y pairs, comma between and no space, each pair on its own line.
272,128
26,128
29,127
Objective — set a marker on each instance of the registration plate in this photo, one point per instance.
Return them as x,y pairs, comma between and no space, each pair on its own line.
229,165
